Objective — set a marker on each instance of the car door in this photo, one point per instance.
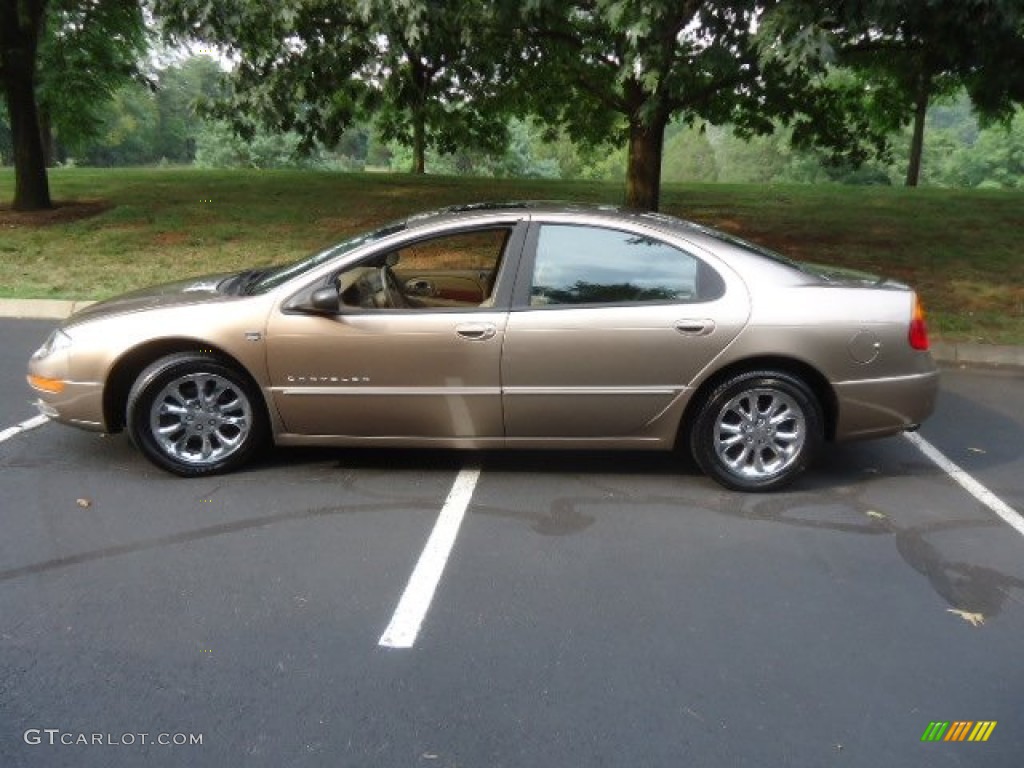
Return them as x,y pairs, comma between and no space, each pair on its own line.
608,328
389,365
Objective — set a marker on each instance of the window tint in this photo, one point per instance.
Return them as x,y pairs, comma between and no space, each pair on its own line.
461,251
590,265
450,271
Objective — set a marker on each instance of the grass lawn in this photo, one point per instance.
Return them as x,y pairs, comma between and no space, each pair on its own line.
960,248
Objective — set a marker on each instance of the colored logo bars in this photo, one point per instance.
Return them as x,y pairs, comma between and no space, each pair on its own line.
960,730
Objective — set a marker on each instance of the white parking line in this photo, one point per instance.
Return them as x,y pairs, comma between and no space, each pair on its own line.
1009,515
419,592
25,426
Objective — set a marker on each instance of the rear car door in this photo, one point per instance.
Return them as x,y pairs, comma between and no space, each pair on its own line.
607,329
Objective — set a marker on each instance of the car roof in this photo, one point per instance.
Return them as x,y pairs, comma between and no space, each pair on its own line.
541,207
749,257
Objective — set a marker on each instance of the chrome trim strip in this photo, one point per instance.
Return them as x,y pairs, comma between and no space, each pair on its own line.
887,379
476,391
389,391
668,390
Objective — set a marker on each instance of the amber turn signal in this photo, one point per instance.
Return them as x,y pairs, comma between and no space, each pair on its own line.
54,386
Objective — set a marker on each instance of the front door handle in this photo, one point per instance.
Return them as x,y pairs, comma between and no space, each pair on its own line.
695,327
476,331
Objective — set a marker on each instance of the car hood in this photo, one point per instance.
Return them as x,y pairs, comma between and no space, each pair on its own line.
196,290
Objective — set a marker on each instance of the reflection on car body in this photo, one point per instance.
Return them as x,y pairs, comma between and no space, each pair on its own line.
504,326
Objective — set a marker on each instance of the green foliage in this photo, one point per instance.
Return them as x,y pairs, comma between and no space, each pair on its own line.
423,70
689,156
181,91
903,54
88,51
155,123
596,66
127,132
220,147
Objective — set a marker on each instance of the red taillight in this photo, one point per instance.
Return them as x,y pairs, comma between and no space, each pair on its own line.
918,335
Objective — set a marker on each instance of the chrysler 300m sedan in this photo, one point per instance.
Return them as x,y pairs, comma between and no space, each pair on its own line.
522,325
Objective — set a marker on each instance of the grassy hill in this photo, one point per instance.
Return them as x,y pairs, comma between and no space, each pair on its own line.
120,229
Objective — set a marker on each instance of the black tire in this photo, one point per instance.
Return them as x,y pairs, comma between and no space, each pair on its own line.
757,431
194,415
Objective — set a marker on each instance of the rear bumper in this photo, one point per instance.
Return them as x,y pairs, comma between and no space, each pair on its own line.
879,407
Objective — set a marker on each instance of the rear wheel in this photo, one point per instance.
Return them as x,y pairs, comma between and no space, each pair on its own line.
194,415
757,431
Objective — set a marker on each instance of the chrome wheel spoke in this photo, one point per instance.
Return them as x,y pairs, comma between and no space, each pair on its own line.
200,418
759,433
730,441
759,465
739,461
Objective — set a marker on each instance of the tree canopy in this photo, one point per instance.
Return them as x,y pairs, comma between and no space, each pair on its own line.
840,78
906,53
425,70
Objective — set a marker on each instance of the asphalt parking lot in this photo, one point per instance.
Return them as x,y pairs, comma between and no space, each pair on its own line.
595,610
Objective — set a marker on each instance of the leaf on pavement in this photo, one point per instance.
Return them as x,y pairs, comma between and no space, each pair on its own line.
975,619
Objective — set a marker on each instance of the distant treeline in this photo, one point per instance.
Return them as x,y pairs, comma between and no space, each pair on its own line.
163,123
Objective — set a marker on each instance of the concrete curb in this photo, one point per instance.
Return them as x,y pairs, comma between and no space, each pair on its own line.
42,309
992,355
950,353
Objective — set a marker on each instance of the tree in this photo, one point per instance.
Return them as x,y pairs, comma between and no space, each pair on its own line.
21,27
59,61
607,67
908,52
88,51
422,68
181,91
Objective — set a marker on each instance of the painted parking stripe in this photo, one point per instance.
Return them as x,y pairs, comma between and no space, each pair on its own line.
1009,515
25,426
419,592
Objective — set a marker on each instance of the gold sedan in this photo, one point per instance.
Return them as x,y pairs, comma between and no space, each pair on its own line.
504,326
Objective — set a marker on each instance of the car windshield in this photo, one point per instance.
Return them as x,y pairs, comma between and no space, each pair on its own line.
266,280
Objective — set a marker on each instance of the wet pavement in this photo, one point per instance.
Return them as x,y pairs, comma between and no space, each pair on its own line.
597,609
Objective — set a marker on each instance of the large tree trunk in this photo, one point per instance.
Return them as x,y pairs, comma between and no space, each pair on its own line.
21,25
643,174
46,137
917,139
419,140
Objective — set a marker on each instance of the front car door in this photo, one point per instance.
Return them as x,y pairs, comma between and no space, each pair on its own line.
608,327
407,357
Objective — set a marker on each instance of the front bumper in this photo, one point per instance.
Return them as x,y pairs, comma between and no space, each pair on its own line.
79,404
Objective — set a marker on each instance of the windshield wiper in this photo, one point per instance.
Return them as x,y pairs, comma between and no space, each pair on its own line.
242,283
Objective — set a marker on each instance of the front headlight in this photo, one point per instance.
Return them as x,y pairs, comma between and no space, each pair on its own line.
58,340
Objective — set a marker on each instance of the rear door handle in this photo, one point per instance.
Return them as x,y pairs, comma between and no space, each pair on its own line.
476,331
694,327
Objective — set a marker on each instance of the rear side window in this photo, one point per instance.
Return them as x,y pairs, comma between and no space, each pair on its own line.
594,265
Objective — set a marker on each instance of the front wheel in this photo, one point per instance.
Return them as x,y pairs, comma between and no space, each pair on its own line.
193,415
757,431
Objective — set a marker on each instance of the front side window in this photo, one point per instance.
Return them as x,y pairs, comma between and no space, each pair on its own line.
458,270
592,265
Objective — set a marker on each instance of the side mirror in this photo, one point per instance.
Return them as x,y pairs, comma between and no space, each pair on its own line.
325,300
